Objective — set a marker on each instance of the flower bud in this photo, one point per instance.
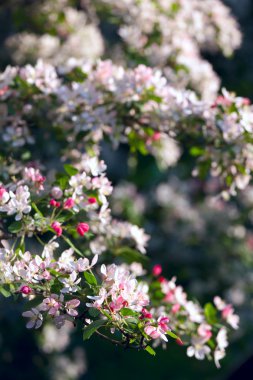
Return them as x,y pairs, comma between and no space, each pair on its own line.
157,270
54,203
82,228
92,200
56,192
57,228
69,203
25,289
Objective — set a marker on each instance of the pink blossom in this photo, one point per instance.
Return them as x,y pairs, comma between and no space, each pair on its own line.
205,331
163,323
118,304
175,308
35,316
4,195
51,304
35,176
71,306
152,332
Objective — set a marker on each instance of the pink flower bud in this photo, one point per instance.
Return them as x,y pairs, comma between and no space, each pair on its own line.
82,228
179,342
175,308
56,192
92,200
25,289
163,323
146,314
54,203
57,228
228,310
156,136
69,203
161,279
246,101
157,270
2,192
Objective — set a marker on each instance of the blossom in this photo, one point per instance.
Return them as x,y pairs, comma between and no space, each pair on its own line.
51,304
159,331
205,331
71,306
35,176
19,203
198,348
4,195
227,312
70,283
35,316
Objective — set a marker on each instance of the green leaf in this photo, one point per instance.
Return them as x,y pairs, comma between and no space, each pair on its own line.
128,312
172,335
94,312
92,328
69,242
70,170
196,151
62,180
34,206
90,278
210,313
131,255
150,350
15,227
4,292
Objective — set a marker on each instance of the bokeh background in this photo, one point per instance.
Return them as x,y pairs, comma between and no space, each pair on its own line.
207,244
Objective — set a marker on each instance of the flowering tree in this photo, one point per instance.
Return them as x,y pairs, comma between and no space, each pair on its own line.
61,248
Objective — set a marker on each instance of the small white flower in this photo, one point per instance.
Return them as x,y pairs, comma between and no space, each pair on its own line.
36,318
198,349
70,283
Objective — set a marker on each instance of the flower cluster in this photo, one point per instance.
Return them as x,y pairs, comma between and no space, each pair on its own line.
137,106
62,250
169,34
172,34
